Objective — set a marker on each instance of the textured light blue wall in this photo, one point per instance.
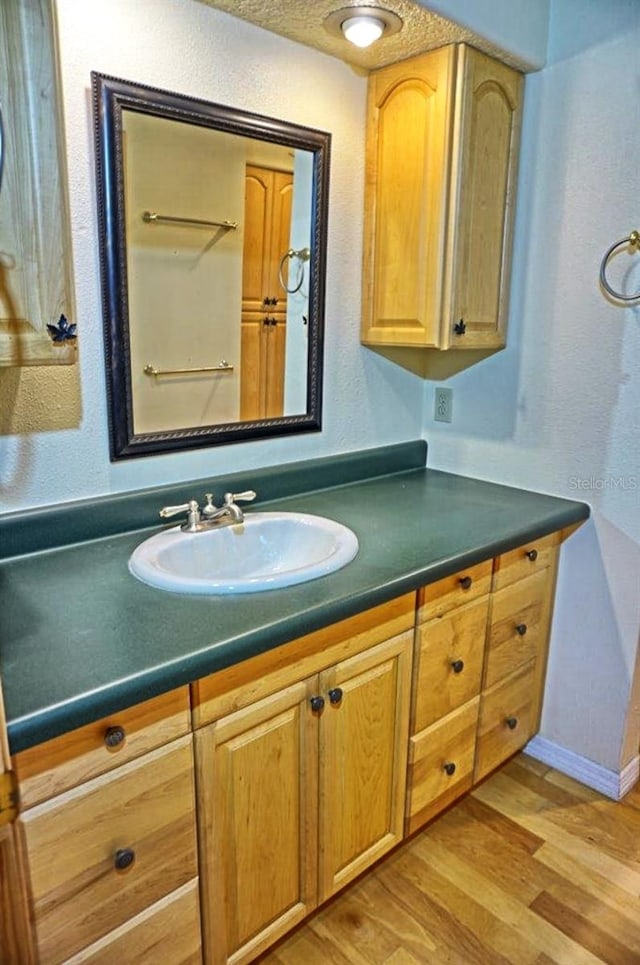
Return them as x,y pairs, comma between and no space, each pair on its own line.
559,410
187,46
519,26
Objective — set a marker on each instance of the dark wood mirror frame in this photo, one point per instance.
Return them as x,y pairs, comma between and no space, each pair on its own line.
110,97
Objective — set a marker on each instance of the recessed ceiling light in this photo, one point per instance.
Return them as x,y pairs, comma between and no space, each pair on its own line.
362,26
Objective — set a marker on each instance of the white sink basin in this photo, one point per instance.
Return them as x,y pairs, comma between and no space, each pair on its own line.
267,551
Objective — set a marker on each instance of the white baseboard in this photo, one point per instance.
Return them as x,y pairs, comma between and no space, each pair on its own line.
613,784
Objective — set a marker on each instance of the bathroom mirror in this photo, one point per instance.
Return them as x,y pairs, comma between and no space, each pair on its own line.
213,229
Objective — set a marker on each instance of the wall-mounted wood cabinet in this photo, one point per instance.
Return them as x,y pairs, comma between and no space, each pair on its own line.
441,171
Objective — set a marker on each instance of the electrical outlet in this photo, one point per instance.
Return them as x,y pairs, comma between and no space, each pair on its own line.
443,405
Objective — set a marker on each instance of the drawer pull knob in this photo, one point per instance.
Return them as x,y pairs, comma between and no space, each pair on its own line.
457,666
449,768
532,555
511,722
317,704
521,629
465,582
335,695
114,737
124,858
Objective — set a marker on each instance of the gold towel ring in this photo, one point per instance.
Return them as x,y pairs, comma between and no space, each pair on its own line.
634,242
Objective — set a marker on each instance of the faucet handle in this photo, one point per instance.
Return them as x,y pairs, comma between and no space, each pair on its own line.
192,510
246,497
209,508
174,510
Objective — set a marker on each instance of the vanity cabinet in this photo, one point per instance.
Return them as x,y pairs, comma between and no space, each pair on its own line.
206,823
449,657
302,787
14,928
111,852
441,171
522,595
267,227
479,668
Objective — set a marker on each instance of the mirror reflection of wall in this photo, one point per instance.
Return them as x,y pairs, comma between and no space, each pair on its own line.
212,297
184,279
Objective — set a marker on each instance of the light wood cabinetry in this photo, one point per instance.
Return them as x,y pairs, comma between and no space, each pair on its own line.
268,201
302,788
480,659
449,657
516,658
441,171
363,759
111,841
232,809
15,932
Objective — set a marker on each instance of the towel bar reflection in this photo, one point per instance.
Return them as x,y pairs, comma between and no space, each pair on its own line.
633,241
223,366
151,217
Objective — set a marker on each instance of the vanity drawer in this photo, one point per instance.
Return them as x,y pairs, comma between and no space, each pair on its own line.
74,844
59,764
525,560
441,764
516,626
167,933
506,719
448,662
438,598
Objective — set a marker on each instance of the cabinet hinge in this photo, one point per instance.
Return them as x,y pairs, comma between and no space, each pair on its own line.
8,798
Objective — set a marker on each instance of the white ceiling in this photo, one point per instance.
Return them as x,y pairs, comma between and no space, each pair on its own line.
302,21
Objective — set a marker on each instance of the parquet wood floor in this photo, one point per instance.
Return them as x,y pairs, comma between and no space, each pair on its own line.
531,868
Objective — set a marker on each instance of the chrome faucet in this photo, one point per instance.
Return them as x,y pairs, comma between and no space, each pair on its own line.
210,516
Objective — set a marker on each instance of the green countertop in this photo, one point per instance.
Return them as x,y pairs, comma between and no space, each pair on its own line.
80,638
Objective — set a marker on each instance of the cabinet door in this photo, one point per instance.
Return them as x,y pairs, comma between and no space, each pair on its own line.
257,792
15,933
409,122
485,152
364,730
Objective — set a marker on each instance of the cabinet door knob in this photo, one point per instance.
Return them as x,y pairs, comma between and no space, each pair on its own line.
460,327
114,737
124,858
449,768
317,704
335,695
532,555
521,629
511,722
465,582
457,666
